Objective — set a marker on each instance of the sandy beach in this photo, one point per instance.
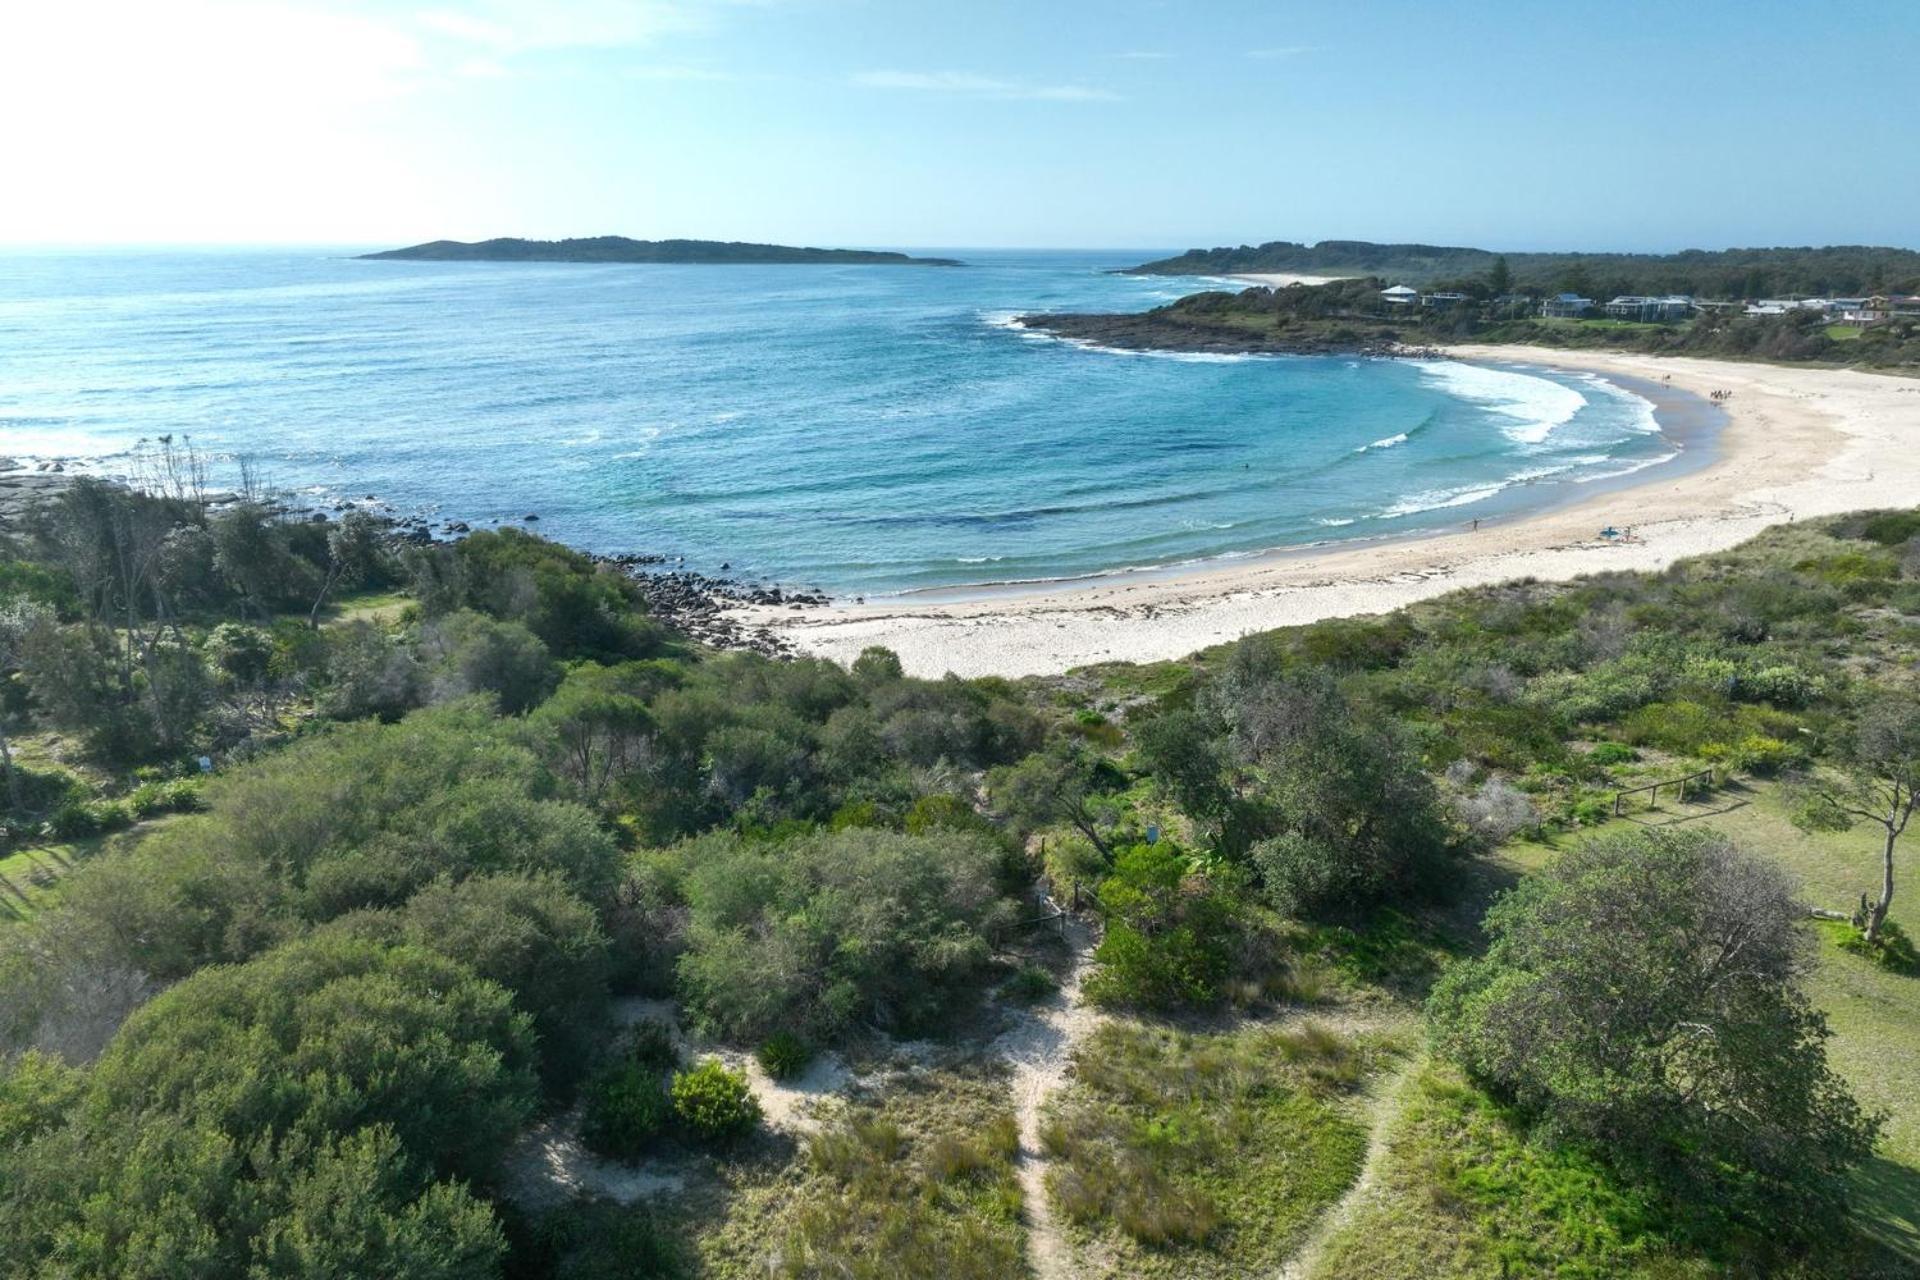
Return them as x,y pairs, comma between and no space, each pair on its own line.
1797,443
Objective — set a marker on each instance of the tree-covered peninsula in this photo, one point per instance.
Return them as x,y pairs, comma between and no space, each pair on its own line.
1828,270
622,249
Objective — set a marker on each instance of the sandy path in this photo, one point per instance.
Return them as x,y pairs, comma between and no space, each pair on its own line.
1390,1099
1798,443
1038,1048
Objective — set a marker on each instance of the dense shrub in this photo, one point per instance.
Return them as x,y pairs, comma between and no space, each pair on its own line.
714,1104
243,1116
362,816
817,934
626,1109
1171,938
1709,1065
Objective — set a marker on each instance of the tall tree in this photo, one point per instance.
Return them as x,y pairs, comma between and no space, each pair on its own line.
1500,278
1880,784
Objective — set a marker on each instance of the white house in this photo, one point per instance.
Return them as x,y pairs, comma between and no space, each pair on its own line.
1634,307
1566,306
1399,296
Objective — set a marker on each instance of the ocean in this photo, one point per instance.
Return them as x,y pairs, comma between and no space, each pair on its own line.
862,429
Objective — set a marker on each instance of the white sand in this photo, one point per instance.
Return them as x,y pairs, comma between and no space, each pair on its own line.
1797,443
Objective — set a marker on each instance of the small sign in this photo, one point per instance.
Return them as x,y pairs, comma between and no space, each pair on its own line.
206,764
1153,833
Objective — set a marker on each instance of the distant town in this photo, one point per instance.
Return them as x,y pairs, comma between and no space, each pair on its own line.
1671,307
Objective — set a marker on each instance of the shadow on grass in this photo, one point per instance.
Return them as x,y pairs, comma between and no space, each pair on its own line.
1888,1209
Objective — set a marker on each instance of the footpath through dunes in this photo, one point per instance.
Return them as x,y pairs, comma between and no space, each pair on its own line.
1038,1049
1798,442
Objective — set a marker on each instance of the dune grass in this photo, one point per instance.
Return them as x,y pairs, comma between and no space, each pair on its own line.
917,1183
1201,1155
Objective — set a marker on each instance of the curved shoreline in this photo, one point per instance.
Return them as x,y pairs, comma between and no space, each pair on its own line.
1797,442
1690,423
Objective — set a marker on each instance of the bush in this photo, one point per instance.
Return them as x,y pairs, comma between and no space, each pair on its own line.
1607,753
1171,938
714,1104
181,795
1030,984
1709,1066
817,934
626,1109
783,1055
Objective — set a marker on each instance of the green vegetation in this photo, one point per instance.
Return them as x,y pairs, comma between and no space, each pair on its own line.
1206,1155
712,1103
1717,1063
621,249
1833,271
344,1004
1351,315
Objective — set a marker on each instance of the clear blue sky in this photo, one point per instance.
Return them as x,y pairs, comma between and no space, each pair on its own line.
1093,123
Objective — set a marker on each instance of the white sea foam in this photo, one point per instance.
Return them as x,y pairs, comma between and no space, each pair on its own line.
1333,522
1009,320
1627,470
1536,406
1439,499
1388,443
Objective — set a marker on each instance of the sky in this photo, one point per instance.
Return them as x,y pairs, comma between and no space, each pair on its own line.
963,123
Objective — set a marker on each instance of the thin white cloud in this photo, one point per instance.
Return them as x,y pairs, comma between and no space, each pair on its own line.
968,83
1281,51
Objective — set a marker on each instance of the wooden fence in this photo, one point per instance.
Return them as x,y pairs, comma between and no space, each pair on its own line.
1701,781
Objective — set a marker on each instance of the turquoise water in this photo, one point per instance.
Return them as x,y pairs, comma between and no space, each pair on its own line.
864,429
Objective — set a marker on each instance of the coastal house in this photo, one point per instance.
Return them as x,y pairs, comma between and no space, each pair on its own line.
1566,306
1650,310
1441,301
1399,296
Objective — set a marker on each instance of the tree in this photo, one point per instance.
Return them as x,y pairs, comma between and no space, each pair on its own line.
1061,784
19,618
353,553
1500,277
1643,993
472,653
1879,784
593,729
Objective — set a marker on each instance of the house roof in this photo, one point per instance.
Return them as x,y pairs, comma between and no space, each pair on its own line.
1399,291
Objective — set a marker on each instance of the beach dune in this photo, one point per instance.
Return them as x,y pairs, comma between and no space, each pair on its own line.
1798,443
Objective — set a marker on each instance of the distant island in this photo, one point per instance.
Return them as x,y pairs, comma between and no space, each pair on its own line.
1829,271
621,249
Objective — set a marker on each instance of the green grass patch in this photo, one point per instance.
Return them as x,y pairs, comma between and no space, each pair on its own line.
919,1183
1201,1155
1844,332
1466,1194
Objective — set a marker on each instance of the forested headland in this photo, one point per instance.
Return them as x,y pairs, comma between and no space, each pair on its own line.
1353,316
508,932
1825,271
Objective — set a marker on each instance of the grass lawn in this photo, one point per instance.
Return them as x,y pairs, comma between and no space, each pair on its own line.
1843,332
30,877
380,607
1464,1193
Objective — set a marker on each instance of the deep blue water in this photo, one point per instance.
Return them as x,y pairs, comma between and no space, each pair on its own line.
861,428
